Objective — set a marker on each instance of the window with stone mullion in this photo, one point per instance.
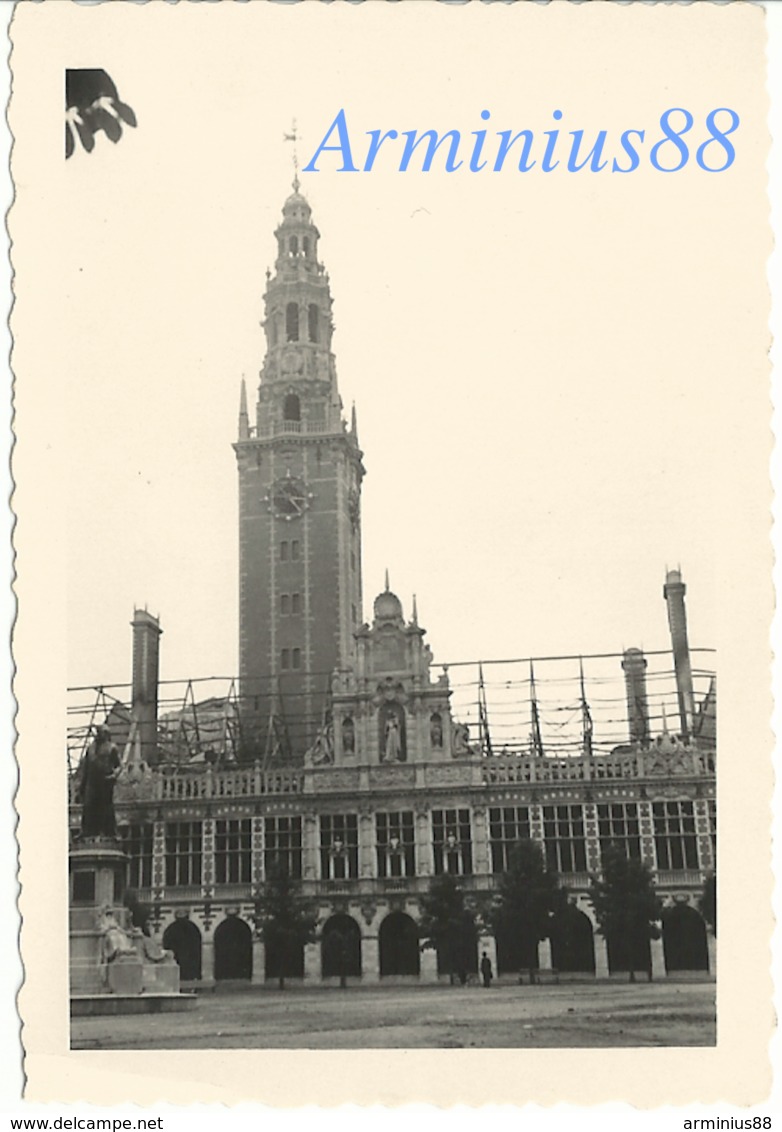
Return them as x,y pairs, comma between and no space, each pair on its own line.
452,842
507,826
137,842
183,853
395,844
282,845
564,838
233,841
618,824
338,846
675,841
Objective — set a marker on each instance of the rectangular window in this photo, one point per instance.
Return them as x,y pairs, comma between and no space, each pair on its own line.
137,843
285,604
295,550
452,842
296,658
674,835
395,844
183,853
563,837
283,552
232,851
295,604
507,826
617,824
282,845
285,658
338,846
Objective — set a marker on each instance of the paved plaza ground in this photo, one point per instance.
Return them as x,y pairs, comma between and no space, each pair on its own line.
431,1017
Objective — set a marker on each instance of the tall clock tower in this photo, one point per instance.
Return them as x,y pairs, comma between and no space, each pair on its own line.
300,473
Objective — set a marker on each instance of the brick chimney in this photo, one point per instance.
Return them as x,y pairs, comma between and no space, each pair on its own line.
146,655
673,592
634,665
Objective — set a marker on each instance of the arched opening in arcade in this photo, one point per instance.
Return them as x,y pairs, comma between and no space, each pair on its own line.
628,954
398,939
572,942
284,958
184,939
515,953
340,948
684,940
233,942
458,956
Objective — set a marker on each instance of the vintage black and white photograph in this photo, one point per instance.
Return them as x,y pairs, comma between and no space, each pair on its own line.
407,448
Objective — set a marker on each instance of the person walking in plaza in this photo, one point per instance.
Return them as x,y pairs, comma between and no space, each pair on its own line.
486,972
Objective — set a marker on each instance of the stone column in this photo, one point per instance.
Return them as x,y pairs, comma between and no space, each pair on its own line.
544,955
256,851
208,858
703,829
593,860
601,957
711,943
429,966
259,961
646,824
658,959
312,963
208,961
158,859
370,959
366,844
488,944
424,855
310,848
480,844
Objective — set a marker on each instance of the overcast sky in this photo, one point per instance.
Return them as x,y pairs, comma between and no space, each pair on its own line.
541,364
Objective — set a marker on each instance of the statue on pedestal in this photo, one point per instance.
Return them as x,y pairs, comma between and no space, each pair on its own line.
97,774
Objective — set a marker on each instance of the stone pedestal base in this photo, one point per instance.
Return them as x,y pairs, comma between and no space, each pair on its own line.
109,957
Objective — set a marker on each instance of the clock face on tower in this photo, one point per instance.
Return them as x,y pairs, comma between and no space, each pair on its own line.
288,498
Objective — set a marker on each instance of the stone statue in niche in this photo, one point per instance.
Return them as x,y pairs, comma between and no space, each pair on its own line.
436,731
96,776
348,736
393,747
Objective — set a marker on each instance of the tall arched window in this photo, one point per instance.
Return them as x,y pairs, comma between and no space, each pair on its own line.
292,322
305,245
313,322
294,245
291,409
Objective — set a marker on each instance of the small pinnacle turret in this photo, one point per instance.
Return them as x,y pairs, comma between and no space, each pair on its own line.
244,420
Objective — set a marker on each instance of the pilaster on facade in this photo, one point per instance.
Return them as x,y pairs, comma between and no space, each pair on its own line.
646,827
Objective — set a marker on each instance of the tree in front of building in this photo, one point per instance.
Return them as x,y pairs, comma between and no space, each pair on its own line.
449,926
284,921
627,909
525,901
708,902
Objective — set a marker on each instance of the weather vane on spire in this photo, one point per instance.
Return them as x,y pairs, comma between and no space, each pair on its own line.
293,136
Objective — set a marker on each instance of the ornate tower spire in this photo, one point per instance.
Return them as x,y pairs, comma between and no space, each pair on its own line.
300,473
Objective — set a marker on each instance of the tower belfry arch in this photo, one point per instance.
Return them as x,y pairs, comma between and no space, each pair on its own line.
300,474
